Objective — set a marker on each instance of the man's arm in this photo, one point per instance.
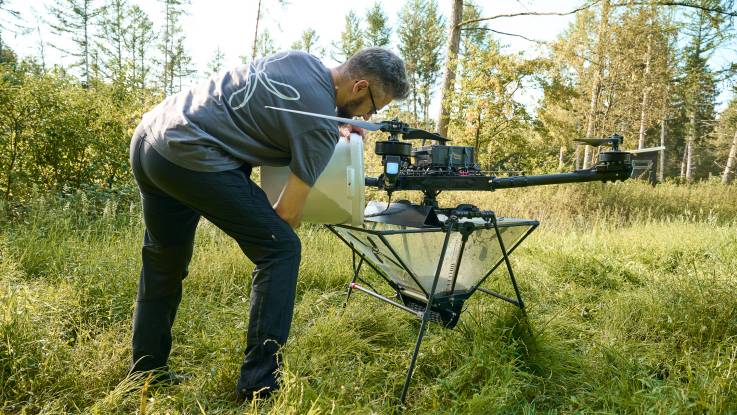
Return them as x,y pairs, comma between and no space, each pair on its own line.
292,199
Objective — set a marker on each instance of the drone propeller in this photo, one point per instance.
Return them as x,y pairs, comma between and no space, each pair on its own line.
414,133
358,123
593,141
614,140
386,126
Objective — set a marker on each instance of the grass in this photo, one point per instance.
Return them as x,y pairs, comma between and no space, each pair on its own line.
630,294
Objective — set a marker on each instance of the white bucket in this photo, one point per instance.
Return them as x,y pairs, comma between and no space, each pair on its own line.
338,195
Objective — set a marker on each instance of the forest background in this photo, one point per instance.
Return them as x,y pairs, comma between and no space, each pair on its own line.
645,71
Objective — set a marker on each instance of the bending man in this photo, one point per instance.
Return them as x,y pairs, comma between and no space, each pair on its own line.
192,157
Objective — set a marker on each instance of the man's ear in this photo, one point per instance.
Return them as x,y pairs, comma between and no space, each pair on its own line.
360,85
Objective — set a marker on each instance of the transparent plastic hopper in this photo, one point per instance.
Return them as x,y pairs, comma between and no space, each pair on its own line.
410,260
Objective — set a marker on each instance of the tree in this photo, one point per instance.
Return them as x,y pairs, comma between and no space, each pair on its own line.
485,113
75,18
647,84
15,116
557,119
8,57
255,32
706,33
258,43
636,73
216,63
139,38
351,39
607,76
308,42
183,64
665,108
41,49
454,41
731,165
473,35
378,33
421,34
265,45
8,18
726,141
112,39
175,60
601,43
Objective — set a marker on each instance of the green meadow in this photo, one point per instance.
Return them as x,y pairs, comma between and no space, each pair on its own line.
630,292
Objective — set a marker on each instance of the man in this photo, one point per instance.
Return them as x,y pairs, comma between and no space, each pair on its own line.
192,157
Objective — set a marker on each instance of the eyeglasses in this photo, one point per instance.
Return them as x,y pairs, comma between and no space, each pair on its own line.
373,104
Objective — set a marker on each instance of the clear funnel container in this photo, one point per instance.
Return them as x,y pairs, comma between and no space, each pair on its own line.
409,257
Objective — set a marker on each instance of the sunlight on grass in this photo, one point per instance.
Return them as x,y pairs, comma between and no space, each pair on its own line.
630,293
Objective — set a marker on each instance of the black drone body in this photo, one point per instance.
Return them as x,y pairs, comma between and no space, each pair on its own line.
452,168
439,167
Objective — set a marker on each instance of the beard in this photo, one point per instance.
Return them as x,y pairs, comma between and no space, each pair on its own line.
349,109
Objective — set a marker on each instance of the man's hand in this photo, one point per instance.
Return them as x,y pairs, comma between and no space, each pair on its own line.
291,201
347,129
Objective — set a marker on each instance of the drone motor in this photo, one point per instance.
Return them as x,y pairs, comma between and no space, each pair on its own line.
612,160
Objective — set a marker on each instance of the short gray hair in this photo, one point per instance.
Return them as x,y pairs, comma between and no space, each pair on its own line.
381,65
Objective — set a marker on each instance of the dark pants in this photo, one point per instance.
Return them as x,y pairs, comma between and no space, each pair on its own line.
173,200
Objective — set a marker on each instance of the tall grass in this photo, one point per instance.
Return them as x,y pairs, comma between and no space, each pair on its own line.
630,293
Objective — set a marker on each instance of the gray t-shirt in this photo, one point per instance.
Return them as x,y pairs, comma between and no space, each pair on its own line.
222,123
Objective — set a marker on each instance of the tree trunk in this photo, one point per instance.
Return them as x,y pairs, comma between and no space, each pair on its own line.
454,41
689,147
561,158
167,50
41,52
689,161
729,169
414,101
13,157
86,45
255,34
478,133
661,156
587,156
426,109
683,164
645,93
119,23
596,87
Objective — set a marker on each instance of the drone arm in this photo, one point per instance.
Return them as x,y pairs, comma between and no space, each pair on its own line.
578,176
486,183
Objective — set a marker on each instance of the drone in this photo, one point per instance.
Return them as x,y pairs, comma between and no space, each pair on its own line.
438,167
435,258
